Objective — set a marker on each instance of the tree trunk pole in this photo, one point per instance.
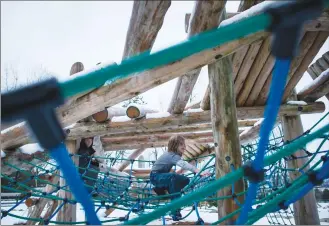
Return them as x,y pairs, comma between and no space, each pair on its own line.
305,210
225,129
68,213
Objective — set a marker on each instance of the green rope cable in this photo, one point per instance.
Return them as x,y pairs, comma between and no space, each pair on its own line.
131,201
147,61
227,179
296,185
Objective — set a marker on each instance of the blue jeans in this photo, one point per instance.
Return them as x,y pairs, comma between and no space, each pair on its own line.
172,182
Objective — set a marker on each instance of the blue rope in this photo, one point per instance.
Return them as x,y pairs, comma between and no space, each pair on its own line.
17,204
74,181
322,174
54,213
280,74
163,220
197,212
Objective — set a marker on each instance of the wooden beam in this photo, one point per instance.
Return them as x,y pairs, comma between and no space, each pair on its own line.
316,46
145,22
260,71
317,89
40,206
252,133
305,210
173,122
135,111
108,114
242,80
309,46
75,69
124,89
68,213
152,138
193,106
225,130
205,16
264,68
149,144
205,103
320,24
188,121
15,157
126,163
238,56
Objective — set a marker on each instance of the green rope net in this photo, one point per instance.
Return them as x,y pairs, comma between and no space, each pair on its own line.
38,183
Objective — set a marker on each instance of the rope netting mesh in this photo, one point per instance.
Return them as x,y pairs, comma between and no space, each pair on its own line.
113,190
134,194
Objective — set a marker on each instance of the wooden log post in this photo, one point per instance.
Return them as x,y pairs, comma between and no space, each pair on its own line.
136,111
252,133
305,210
317,89
108,114
132,156
68,213
205,16
225,130
41,204
146,21
238,57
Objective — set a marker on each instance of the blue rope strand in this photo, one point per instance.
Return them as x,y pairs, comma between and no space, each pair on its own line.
74,181
280,74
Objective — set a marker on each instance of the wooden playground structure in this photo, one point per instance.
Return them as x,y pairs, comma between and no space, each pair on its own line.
229,114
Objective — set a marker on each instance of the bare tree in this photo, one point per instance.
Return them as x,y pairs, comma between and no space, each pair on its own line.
12,79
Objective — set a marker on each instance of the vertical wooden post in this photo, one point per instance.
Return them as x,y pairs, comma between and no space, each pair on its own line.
305,210
68,213
42,202
225,129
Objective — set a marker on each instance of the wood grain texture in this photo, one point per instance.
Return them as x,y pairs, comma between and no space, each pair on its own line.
317,89
145,22
246,78
68,213
305,210
205,16
311,53
304,47
225,131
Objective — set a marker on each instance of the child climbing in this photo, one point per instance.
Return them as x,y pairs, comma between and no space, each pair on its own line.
89,166
163,179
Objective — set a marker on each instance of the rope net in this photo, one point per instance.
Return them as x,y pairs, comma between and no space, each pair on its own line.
40,187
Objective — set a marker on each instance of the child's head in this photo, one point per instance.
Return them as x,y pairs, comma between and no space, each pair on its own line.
176,144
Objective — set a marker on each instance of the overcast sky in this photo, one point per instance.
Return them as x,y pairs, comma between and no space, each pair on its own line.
54,35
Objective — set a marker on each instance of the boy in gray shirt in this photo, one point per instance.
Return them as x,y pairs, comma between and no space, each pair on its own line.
163,179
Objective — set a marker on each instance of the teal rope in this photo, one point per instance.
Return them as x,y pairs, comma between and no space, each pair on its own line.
147,61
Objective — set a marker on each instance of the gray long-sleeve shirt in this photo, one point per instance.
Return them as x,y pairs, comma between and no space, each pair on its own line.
168,160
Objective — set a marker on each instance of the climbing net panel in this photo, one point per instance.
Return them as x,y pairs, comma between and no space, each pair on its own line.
264,160
134,195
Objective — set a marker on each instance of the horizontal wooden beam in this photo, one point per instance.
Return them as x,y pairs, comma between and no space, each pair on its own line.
156,137
188,121
317,89
24,161
149,144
